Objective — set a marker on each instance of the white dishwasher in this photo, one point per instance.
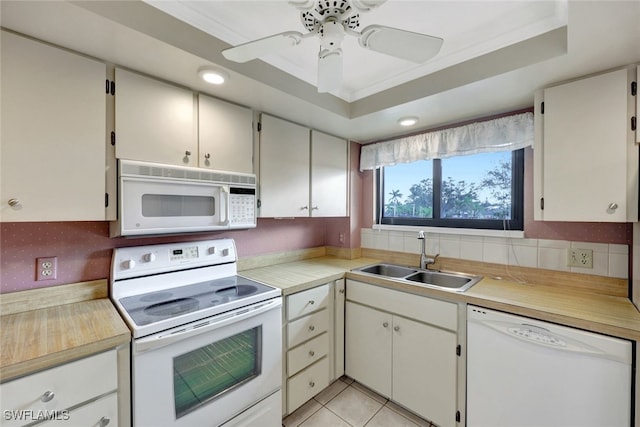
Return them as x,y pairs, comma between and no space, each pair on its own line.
523,372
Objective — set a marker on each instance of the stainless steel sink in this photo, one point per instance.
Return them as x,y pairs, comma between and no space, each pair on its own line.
457,282
388,270
454,281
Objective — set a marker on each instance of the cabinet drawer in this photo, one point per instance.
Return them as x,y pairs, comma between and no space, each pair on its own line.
308,301
307,384
61,387
102,412
306,328
423,309
309,352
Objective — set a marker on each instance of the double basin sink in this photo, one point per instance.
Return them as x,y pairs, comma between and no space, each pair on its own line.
456,282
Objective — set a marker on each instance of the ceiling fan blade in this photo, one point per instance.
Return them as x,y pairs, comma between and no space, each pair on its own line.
257,48
414,47
329,70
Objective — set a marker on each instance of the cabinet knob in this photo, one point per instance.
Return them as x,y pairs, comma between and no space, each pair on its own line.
385,324
304,208
15,203
315,208
312,328
312,353
341,291
206,159
186,159
187,153
613,206
396,328
312,384
47,396
104,421
207,156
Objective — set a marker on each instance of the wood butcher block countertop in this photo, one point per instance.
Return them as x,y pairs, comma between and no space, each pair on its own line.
40,338
553,302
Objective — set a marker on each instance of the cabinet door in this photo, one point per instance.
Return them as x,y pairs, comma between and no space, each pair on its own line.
284,169
368,347
424,370
588,159
53,133
328,175
225,136
154,121
339,329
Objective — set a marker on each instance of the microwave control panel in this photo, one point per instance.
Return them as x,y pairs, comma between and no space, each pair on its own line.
242,207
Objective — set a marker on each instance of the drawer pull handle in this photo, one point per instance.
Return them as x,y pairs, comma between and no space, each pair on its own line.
312,328
312,384
396,328
104,422
312,353
385,324
312,302
47,396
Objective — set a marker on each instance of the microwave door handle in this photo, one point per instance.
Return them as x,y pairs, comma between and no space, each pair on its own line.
225,208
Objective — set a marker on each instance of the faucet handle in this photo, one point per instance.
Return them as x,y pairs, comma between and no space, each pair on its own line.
420,234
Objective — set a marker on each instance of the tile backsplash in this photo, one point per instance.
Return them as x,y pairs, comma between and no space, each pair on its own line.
610,260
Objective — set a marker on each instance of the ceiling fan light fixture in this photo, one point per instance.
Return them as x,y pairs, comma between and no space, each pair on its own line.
213,75
408,121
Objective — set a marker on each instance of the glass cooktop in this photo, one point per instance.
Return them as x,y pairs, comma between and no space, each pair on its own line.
153,307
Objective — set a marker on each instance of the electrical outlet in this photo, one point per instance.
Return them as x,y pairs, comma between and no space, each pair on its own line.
46,268
580,258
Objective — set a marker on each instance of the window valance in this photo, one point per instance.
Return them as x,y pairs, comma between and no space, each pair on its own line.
505,133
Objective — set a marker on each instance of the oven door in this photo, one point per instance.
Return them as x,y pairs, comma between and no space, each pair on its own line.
157,206
207,372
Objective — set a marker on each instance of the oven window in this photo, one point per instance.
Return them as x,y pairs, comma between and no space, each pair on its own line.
163,205
208,372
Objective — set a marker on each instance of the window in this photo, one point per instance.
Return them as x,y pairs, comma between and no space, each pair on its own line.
476,191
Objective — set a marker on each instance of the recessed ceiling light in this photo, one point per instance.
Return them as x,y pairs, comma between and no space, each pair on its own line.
408,121
213,75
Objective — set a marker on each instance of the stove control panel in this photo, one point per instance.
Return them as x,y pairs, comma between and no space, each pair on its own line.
183,254
143,260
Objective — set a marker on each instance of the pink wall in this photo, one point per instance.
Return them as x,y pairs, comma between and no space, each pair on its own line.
84,248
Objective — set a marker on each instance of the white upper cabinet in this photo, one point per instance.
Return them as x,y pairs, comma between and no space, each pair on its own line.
329,157
155,121
225,136
302,173
585,155
53,133
284,169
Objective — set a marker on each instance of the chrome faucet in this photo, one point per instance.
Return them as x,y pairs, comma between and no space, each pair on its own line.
425,261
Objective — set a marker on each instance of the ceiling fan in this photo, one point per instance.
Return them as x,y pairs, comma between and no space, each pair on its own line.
330,21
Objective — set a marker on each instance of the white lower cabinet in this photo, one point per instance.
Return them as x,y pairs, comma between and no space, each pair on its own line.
313,351
404,347
83,392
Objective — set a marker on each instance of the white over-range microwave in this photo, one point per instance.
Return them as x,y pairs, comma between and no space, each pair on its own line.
158,199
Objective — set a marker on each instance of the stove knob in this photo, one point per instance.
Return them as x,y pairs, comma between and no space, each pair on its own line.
225,252
128,264
150,257
211,250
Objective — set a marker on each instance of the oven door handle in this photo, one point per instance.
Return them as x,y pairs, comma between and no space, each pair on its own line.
162,339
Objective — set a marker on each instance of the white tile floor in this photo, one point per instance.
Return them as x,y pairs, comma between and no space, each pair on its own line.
346,403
